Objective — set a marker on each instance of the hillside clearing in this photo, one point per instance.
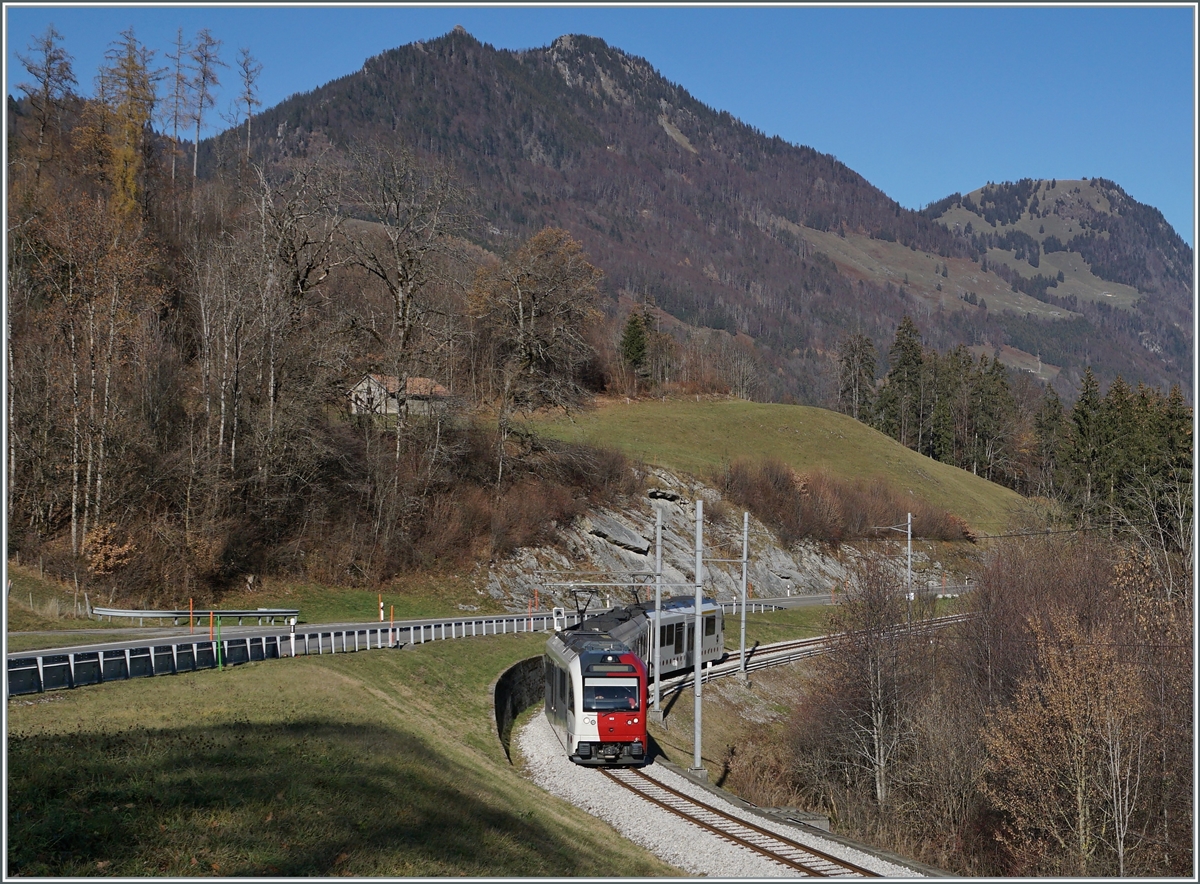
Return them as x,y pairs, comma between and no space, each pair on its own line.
698,437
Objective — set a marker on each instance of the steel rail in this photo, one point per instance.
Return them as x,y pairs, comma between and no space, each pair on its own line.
811,860
789,651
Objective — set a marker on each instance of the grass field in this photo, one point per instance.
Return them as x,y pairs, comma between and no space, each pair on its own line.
775,626
38,604
698,437
373,764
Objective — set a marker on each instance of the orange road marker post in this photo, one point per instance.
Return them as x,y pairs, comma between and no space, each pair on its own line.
191,618
210,625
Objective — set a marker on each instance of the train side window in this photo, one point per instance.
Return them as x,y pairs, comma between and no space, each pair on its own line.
710,625
679,638
668,636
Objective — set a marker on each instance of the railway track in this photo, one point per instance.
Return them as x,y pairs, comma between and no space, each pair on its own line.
772,845
790,651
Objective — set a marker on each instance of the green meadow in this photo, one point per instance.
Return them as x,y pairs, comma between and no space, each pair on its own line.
700,437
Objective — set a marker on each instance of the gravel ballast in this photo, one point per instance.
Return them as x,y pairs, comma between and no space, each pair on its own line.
668,837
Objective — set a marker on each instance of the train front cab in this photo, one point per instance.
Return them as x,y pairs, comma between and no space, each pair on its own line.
598,706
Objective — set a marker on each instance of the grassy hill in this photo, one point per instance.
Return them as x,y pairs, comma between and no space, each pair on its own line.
365,764
697,437
372,764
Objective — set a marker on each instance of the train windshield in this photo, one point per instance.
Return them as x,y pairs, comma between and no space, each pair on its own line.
611,695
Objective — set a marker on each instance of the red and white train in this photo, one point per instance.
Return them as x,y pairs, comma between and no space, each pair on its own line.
596,698
597,678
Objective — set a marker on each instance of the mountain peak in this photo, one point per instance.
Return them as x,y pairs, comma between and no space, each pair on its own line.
724,228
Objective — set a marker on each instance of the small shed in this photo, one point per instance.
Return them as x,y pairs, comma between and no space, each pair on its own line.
380,394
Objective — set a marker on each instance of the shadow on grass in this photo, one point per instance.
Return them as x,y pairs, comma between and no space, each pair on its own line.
308,798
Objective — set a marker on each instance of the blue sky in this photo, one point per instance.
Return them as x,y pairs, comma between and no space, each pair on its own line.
922,101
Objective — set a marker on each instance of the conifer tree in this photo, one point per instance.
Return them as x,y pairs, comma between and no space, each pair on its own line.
206,59
50,66
633,343
1121,443
941,432
178,94
900,399
128,82
249,69
993,419
1049,428
1084,449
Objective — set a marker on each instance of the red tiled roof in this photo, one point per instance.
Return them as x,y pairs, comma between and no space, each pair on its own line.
413,386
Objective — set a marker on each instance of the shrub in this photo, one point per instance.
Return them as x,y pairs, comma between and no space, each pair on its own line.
821,507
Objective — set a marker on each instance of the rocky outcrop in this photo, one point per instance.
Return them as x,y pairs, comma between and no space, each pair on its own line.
608,528
617,547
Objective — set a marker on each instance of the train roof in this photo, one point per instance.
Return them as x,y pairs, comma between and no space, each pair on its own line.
582,643
621,624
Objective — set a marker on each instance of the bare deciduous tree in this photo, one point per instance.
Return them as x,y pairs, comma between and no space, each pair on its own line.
536,307
414,209
1064,761
249,69
868,662
178,93
206,59
50,66
96,269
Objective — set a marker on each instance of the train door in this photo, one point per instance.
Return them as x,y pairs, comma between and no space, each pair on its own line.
554,695
556,698
711,638
569,708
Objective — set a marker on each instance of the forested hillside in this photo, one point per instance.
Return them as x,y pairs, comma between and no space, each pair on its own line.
723,228
212,379
194,328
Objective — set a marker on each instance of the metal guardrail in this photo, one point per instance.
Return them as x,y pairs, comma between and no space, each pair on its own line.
752,607
268,614
35,672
